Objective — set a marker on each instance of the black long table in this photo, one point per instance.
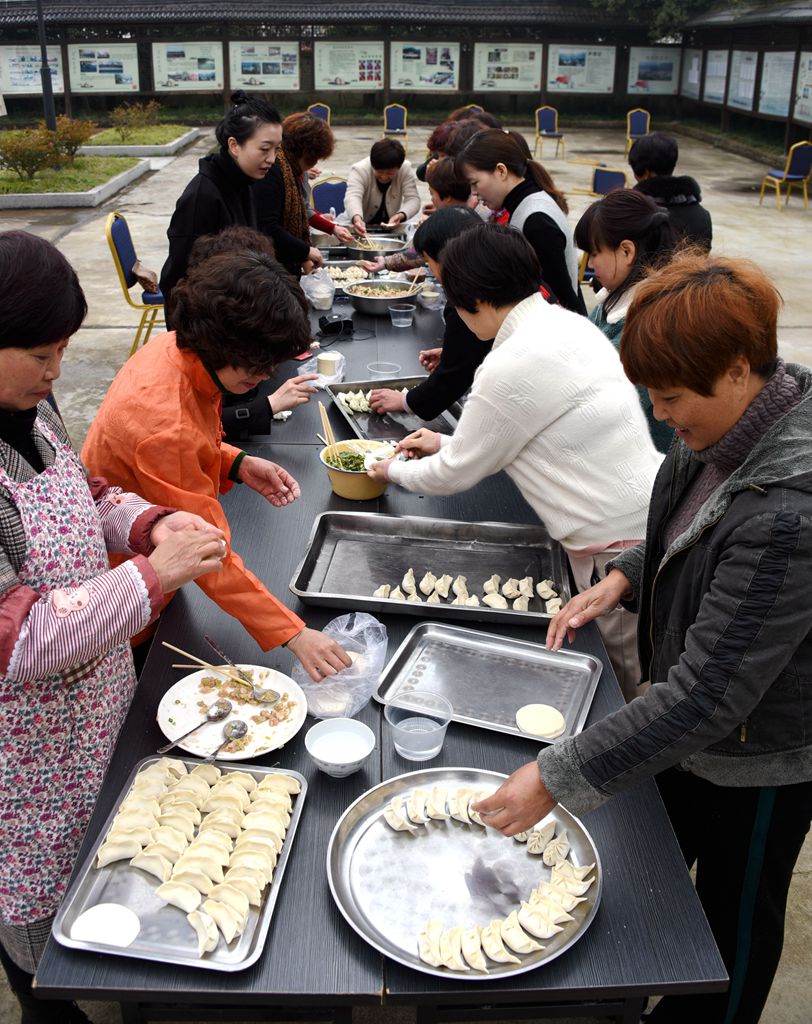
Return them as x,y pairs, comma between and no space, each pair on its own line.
650,935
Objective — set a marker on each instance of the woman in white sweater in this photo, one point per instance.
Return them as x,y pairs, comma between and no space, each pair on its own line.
552,407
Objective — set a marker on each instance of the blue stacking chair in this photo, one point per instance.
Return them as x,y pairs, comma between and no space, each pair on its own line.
395,116
321,110
328,193
547,128
638,124
794,175
122,249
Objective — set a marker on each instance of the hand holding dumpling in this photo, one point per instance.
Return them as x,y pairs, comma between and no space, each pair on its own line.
519,802
421,442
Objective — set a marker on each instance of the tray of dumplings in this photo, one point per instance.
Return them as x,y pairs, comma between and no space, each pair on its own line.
351,398
489,905
187,867
441,568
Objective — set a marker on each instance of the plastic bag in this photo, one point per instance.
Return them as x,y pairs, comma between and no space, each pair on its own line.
319,288
344,694
312,366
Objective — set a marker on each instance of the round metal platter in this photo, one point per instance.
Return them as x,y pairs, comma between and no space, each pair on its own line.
387,884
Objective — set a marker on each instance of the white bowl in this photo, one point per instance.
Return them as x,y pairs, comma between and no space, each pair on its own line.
339,746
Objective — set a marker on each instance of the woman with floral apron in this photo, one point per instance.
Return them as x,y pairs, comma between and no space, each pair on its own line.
66,671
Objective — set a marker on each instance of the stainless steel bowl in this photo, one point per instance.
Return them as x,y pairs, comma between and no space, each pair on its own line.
380,306
379,247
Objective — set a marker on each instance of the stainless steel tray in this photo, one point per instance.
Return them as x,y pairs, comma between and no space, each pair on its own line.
387,883
350,554
165,936
462,665
345,265
392,426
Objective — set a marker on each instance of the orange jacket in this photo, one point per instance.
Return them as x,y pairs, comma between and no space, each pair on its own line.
158,433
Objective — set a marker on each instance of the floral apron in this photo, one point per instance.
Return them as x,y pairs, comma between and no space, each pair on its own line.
57,734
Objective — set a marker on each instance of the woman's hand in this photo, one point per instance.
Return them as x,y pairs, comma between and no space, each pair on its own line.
269,480
320,655
421,442
374,266
393,222
178,521
383,400
293,392
315,256
586,606
380,470
429,358
186,554
343,234
358,224
519,802
313,173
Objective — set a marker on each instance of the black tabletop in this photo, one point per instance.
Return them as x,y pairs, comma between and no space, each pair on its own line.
649,936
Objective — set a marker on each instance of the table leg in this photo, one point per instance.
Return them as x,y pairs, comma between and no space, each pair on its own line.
632,1010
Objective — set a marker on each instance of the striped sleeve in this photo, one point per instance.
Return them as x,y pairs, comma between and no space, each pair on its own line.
68,627
126,519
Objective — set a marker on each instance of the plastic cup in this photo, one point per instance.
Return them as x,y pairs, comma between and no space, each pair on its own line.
418,721
326,363
380,371
402,315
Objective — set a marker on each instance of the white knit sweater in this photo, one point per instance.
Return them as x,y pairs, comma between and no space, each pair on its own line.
552,407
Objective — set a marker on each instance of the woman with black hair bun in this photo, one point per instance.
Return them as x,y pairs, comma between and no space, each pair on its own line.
220,194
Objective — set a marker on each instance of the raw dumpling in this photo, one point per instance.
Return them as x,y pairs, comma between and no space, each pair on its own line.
511,589
263,849
521,837
518,940
428,583
253,859
244,779
433,598
265,838
395,817
153,864
200,847
521,604
231,796
472,948
472,601
272,819
428,943
271,799
491,937
571,885
557,849
117,849
192,784
475,816
554,606
549,908
180,894
133,819
442,585
415,598
247,884
416,807
234,875
140,834
284,783
546,590
161,849
382,591
397,595
229,825
547,894
171,764
204,862
458,800
494,601
435,805
181,803
460,599
408,583
214,837
451,950
526,586
180,822
194,877
206,931
544,832
225,917
533,918
566,869
460,586
148,787
210,773
144,804
234,897
491,586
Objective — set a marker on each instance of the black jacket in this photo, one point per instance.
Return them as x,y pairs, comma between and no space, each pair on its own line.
218,196
680,195
246,415
269,195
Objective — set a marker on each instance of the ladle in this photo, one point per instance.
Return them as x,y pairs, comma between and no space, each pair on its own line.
219,710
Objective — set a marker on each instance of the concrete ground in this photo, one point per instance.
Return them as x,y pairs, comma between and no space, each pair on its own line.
776,240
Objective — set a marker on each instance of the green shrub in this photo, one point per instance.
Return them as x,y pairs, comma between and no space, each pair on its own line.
130,116
69,136
27,152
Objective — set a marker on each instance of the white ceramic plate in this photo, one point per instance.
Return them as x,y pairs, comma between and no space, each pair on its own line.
180,709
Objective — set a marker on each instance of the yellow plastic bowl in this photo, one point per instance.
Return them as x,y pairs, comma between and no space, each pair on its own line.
352,484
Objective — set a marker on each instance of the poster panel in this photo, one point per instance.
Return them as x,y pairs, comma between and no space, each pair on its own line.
803,89
742,85
715,76
349,65
424,66
264,65
103,67
691,73
20,67
574,68
187,67
653,70
776,83
507,67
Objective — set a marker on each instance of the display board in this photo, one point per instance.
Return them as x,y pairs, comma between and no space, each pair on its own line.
187,67
803,89
103,67
776,82
691,79
424,66
573,68
653,70
349,65
507,66
264,65
742,84
20,67
715,76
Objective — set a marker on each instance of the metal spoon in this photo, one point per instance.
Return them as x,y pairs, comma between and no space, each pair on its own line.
232,731
262,694
219,710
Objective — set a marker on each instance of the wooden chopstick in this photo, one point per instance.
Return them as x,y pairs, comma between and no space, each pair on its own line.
227,672
328,433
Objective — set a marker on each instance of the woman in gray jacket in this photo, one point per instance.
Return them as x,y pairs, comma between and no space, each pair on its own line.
721,585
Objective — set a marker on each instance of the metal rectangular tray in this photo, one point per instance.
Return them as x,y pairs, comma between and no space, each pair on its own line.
350,554
462,665
165,935
392,426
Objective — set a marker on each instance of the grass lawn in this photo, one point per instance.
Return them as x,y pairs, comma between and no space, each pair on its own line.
152,135
84,173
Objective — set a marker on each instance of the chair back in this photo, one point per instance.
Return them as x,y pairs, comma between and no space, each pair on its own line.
799,159
329,193
394,117
637,121
475,107
321,110
546,120
607,179
122,249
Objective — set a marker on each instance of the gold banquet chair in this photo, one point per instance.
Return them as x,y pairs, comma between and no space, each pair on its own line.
795,174
124,258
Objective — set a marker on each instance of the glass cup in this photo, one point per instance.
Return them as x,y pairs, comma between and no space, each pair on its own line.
402,315
380,371
418,720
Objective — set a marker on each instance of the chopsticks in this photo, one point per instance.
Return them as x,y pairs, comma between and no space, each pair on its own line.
364,242
328,433
227,672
